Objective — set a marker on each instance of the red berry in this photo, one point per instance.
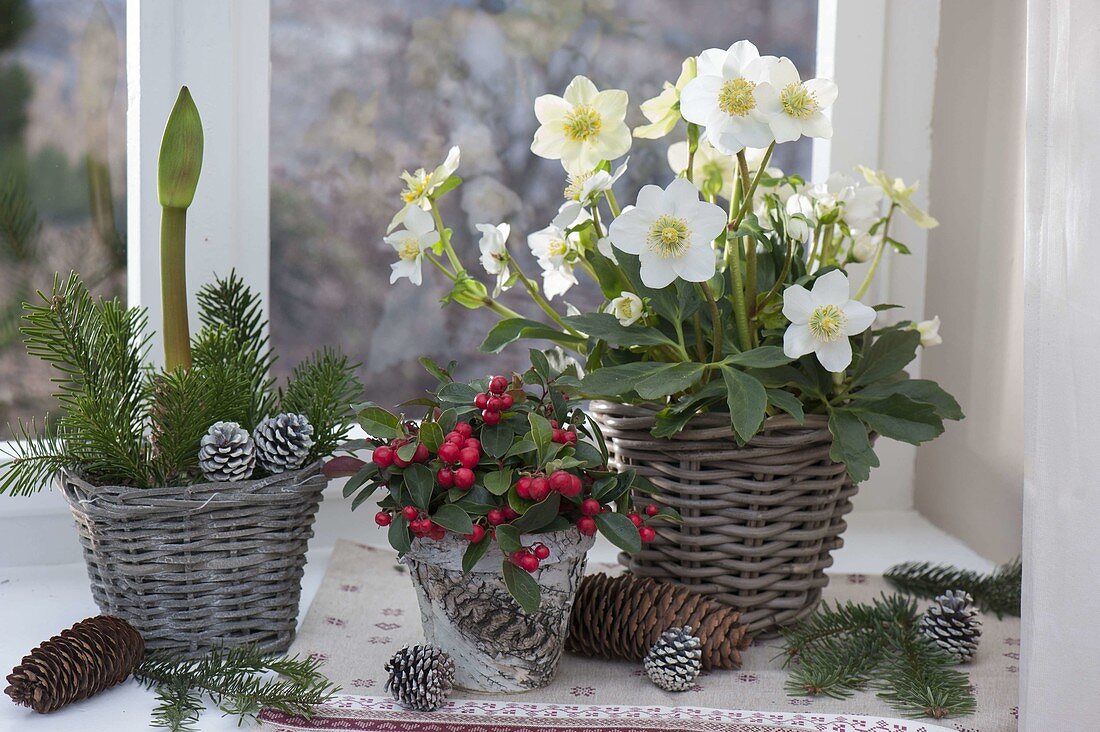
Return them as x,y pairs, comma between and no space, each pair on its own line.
455,438
541,551
481,400
561,481
464,429
469,457
472,443
558,435
509,513
420,526
382,518
651,509
590,507
490,418
445,477
554,424
529,562
477,534
383,456
647,534
410,512
506,401
516,556
523,487
494,404
438,532
498,385
495,517
575,487
464,479
540,489
635,519
448,452
586,526
571,437
421,455
397,459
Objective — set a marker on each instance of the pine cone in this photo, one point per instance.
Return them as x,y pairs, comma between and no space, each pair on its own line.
283,442
420,677
622,617
953,623
675,660
93,655
226,453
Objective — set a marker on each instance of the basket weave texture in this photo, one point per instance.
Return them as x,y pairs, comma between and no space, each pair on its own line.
760,521
201,566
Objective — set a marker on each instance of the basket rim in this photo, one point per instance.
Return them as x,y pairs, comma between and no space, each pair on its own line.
707,420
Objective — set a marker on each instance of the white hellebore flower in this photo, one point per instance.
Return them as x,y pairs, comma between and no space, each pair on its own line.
929,332
863,247
663,110
583,128
723,97
410,244
900,194
708,166
494,252
793,107
421,184
554,250
582,191
822,319
671,231
798,228
627,307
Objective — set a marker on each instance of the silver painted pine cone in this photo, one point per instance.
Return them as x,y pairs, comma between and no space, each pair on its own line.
283,442
675,660
953,623
226,453
420,677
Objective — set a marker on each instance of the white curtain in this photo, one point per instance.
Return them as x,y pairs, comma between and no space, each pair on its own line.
1060,684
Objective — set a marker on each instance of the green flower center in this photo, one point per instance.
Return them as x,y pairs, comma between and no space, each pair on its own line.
558,248
409,251
417,187
797,102
827,323
668,236
735,98
583,123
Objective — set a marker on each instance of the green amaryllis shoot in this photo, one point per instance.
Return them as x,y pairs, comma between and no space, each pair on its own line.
177,178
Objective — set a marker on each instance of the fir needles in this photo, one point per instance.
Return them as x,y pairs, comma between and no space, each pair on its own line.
997,593
850,646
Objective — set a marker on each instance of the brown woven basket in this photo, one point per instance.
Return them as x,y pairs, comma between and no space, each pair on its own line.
201,566
760,521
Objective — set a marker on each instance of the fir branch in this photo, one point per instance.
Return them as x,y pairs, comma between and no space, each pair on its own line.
239,681
323,388
851,646
998,592
32,459
235,330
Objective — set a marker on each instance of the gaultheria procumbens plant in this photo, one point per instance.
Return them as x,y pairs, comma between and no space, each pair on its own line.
123,422
726,286
178,171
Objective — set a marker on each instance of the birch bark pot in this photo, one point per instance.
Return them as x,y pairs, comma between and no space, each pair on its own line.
496,646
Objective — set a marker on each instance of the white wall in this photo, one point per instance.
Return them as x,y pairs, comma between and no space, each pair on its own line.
969,481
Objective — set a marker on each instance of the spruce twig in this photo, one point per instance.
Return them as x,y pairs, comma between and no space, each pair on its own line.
239,681
997,593
852,646
323,388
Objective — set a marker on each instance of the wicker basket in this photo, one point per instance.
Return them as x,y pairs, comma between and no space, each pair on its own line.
201,566
760,521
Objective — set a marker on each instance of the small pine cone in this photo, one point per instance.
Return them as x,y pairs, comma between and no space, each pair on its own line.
226,453
953,623
93,655
675,660
283,442
420,677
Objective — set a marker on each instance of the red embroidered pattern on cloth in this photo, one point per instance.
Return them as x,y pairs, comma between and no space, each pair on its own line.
380,714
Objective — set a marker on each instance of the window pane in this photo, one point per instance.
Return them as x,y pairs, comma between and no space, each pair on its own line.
62,168
363,90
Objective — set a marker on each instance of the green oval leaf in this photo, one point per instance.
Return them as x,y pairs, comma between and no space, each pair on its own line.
539,515
450,516
522,587
497,439
508,538
421,483
498,482
620,531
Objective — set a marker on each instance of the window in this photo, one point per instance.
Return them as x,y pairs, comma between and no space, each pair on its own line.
62,168
363,90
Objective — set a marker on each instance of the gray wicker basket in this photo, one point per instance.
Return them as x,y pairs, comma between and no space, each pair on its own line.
760,521
201,566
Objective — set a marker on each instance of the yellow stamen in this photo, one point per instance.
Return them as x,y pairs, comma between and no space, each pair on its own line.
827,323
797,101
409,251
668,236
735,97
583,123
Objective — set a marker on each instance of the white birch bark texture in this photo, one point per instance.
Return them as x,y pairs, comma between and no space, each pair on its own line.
1061,644
495,645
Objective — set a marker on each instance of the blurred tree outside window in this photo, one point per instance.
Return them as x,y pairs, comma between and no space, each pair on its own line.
62,168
